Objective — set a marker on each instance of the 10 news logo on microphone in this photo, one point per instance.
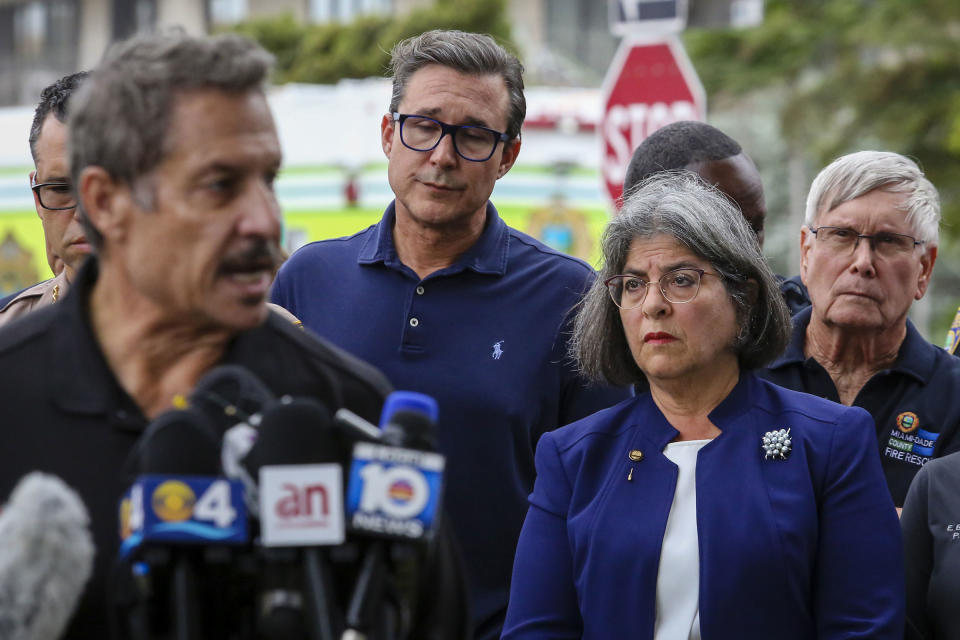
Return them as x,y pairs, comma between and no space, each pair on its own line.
394,492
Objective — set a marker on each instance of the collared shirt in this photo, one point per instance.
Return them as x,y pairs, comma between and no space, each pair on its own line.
38,296
794,293
915,404
64,412
487,337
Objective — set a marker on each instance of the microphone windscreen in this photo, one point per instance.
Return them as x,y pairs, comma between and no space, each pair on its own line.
229,394
180,442
46,557
409,420
298,431
408,401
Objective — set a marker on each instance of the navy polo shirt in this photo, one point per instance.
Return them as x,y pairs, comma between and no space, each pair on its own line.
487,337
915,404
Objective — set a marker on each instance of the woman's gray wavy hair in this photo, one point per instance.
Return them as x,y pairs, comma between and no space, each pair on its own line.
699,217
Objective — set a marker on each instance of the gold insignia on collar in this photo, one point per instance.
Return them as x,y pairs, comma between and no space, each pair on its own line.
56,292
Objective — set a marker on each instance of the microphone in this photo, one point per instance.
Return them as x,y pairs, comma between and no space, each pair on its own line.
230,394
394,488
394,492
297,458
179,501
46,558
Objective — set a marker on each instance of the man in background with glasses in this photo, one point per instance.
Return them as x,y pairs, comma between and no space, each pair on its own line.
54,199
868,247
444,298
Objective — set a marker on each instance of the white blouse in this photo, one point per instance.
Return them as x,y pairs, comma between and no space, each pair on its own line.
678,578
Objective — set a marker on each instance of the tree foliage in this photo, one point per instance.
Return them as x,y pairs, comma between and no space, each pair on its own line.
330,52
855,74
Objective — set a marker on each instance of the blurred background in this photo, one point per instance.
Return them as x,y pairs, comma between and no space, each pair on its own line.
796,82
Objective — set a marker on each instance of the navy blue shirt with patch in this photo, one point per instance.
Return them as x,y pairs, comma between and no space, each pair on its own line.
915,404
487,337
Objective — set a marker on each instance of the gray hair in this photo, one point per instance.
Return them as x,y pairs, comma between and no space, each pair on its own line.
120,118
469,53
699,217
857,174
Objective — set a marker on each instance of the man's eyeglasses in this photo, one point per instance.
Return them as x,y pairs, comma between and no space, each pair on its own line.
55,196
677,286
844,240
471,142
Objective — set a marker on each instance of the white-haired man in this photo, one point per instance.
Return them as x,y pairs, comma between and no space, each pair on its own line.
868,247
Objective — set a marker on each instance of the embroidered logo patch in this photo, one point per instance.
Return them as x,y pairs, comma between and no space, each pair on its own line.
909,442
908,422
497,350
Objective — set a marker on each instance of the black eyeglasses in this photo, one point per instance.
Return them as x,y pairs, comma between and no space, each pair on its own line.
677,286
55,196
845,240
471,142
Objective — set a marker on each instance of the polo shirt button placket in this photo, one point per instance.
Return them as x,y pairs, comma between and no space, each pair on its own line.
414,322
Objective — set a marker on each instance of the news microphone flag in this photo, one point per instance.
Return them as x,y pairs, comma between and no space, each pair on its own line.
301,505
183,509
394,492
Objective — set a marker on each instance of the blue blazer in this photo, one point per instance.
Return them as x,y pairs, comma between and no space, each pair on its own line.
802,548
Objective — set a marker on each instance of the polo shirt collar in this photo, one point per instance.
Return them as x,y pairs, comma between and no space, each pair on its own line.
487,255
915,357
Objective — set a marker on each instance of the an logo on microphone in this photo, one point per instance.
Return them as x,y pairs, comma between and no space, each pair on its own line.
394,491
301,505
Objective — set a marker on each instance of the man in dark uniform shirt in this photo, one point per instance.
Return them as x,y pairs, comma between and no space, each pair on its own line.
867,252
54,200
174,152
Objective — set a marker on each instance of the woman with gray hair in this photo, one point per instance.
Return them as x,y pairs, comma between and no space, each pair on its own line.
716,504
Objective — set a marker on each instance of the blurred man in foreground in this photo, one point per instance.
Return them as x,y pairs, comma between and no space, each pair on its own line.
173,152
448,300
719,160
867,252
54,199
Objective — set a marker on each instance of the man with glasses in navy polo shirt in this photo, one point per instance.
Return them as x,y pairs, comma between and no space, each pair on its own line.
54,200
867,252
445,299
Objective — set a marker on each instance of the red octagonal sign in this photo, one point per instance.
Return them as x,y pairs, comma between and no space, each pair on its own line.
649,85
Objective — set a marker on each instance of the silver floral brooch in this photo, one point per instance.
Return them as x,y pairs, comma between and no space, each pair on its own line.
776,444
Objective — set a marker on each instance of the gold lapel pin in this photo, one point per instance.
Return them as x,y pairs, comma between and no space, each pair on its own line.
635,455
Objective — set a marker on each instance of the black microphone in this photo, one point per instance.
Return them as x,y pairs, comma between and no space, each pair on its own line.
298,459
179,514
179,442
230,394
408,423
46,558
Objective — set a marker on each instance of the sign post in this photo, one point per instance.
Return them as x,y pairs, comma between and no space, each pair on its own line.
650,84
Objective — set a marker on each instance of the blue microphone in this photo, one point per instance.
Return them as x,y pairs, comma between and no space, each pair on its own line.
394,488
393,495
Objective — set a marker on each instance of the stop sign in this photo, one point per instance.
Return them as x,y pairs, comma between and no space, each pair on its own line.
649,85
